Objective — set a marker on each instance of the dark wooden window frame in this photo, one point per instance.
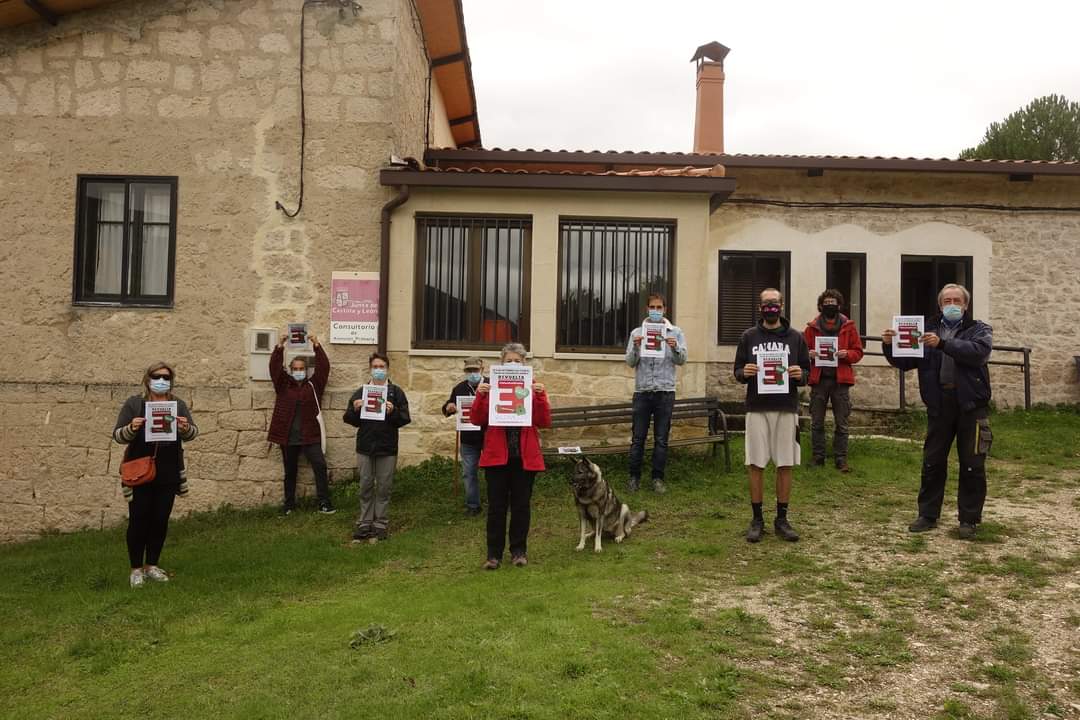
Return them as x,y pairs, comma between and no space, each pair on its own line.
131,251
861,257
969,267
669,296
474,270
784,255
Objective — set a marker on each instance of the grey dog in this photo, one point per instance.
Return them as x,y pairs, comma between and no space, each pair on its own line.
598,507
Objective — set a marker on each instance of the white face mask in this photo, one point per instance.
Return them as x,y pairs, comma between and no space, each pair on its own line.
299,375
160,386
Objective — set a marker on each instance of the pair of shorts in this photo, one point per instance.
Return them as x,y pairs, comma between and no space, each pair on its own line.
772,435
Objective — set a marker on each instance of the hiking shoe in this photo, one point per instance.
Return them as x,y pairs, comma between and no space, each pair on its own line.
633,484
287,510
491,564
819,462
361,534
966,531
658,486
156,574
755,531
520,561
473,511
326,508
381,533
842,466
138,579
784,531
922,524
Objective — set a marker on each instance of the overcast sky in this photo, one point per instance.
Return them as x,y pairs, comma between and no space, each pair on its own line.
917,79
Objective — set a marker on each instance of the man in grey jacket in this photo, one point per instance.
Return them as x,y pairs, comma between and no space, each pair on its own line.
654,394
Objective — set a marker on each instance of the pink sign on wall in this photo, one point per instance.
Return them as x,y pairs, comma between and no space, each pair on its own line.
354,308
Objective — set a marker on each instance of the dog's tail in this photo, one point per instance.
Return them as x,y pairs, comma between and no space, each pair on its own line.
638,518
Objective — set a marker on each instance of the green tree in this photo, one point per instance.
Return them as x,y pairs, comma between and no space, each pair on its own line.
1047,129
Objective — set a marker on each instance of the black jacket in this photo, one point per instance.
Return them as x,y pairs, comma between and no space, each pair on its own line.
969,348
168,456
761,338
474,438
379,437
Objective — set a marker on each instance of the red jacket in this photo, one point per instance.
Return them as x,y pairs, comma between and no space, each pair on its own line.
848,339
289,392
495,452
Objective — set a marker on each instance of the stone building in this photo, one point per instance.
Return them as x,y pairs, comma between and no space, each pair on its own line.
147,147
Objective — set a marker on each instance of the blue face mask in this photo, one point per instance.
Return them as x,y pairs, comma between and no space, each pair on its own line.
656,315
378,374
474,378
952,313
299,375
160,386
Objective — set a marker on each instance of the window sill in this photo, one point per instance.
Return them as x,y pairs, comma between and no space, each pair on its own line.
563,355
436,352
115,305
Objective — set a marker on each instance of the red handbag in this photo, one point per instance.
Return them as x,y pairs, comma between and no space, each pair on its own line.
139,471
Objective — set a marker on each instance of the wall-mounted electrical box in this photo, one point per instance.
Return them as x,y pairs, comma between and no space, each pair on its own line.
261,345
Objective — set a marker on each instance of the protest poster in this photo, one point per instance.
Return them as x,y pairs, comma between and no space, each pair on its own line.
464,402
373,403
511,391
160,421
652,339
907,342
825,349
772,374
297,336
354,308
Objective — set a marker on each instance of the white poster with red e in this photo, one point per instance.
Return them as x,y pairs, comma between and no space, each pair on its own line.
652,339
907,342
160,421
772,374
511,396
373,403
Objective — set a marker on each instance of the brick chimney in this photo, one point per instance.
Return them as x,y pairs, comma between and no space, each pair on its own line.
709,118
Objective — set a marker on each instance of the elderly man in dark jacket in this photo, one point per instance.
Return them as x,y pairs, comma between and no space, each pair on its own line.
294,425
954,382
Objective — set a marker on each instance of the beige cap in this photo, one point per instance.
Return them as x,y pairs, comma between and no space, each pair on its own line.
473,362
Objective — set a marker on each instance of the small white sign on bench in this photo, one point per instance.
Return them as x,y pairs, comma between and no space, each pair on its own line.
571,450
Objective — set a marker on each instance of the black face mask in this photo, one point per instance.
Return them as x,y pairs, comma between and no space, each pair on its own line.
770,312
830,311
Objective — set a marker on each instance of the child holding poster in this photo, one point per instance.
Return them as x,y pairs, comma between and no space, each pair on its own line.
511,454
471,436
151,504
376,446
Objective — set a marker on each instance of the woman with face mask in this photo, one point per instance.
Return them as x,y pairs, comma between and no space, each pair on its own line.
151,504
295,425
511,458
376,451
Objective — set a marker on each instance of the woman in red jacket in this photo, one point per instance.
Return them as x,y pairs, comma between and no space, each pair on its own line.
294,425
832,384
511,458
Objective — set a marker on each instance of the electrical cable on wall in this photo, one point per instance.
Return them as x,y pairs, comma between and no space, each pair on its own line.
342,6
810,205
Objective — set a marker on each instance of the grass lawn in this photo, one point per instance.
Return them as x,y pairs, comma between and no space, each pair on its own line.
684,620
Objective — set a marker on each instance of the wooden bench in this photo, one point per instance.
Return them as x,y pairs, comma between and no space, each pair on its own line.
623,414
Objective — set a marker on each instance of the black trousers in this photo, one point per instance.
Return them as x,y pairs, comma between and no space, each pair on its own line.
971,431
508,486
148,521
290,456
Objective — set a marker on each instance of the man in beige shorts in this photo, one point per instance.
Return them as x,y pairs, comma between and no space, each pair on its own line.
778,353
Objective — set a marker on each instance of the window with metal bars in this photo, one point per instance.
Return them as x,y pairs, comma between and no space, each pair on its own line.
125,240
743,275
607,268
472,280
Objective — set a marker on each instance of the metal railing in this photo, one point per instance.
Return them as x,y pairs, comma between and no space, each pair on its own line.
1024,365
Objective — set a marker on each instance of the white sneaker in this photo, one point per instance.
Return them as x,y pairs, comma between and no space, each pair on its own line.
137,578
156,574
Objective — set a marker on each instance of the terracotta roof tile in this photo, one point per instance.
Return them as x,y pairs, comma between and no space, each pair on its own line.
715,171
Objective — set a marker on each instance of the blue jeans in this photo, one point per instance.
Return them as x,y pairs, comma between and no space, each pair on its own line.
470,460
655,406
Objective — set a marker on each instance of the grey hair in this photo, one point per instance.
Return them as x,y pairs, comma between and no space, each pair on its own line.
512,348
954,286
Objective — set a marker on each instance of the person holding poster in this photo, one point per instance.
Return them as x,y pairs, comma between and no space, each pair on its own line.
376,449
835,346
954,382
511,458
471,436
772,360
294,426
151,504
654,349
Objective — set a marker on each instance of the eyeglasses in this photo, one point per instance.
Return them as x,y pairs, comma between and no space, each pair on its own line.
161,377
